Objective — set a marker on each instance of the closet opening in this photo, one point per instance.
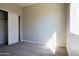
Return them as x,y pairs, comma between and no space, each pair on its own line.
3,27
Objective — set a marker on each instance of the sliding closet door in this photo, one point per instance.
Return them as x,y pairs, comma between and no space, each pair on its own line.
12,28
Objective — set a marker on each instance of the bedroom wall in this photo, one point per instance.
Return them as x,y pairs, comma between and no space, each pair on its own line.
41,21
73,30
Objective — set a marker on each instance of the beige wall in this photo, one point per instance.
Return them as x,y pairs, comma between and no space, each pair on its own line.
16,9
11,7
42,20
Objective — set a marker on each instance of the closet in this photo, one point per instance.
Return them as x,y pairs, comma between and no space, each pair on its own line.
3,27
9,27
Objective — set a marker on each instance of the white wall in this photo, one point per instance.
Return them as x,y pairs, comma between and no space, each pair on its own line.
72,45
42,20
73,31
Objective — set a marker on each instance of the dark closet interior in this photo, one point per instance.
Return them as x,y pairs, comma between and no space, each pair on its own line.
3,27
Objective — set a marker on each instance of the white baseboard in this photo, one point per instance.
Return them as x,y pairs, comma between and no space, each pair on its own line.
61,46
33,42
21,40
40,43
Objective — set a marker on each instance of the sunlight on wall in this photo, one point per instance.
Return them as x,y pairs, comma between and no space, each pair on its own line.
74,19
52,43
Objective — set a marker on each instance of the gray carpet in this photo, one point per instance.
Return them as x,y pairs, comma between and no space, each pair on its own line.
27,49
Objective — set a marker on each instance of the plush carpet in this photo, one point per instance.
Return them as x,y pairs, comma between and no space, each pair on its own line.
30,49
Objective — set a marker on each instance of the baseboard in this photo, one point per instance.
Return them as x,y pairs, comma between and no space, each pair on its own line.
40,43
33,42
21,40
60,46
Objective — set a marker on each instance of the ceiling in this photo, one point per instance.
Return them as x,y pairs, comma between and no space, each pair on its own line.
24,4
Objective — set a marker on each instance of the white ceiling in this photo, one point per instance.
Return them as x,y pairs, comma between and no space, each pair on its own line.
24,4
